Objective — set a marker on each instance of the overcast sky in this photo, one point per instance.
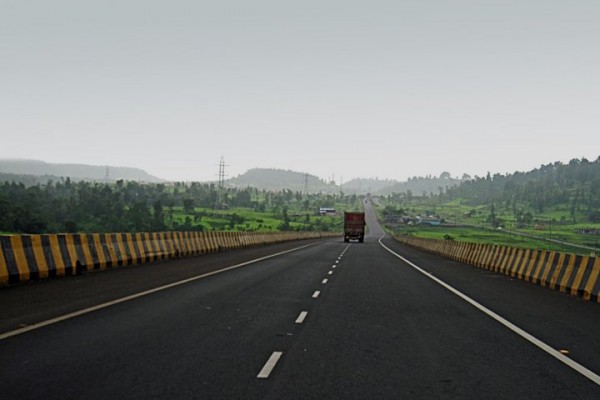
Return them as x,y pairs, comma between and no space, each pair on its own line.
344,88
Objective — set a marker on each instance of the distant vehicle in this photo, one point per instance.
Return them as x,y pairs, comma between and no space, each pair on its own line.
354,226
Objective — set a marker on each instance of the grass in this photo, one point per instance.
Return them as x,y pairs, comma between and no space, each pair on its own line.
484,236
554,223
247,219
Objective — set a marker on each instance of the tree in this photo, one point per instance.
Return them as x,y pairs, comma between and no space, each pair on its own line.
188,205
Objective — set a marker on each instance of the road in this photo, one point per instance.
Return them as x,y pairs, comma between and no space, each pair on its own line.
306,320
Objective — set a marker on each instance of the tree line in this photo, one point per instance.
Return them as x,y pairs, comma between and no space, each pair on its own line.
572,187
575,185
127,206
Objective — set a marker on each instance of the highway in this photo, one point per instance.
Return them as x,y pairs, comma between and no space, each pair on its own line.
303,320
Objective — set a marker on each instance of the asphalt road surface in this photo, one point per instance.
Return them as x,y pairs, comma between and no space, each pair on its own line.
306,320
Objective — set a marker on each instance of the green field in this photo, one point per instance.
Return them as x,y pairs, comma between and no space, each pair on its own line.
462,222
248,219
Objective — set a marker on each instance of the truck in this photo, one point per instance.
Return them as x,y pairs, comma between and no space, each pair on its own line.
354,226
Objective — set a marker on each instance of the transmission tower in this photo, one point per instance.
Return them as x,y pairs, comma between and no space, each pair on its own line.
222,173
221,184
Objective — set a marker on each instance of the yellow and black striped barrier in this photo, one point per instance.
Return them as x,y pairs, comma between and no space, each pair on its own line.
568,273
32,257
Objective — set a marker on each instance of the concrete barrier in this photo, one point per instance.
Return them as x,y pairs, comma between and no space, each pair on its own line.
32,257
568,273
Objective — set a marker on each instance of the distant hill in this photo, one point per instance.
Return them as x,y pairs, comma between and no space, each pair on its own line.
278,179
48,171
362,185
420,186
416,185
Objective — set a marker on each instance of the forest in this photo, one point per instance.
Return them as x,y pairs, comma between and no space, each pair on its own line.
575,186
128,206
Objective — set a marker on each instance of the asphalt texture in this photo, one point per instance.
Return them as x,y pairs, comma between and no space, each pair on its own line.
375,329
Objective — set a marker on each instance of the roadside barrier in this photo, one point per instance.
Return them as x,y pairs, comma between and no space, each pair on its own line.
568,273
33,257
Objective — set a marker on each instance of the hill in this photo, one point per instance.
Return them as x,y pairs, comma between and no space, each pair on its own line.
418,186
422,186
276,179
363,185
23,170
572,188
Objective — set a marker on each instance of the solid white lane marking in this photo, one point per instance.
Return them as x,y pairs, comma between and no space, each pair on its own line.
270,364
301,317
532,339
316,294
324,281
137,295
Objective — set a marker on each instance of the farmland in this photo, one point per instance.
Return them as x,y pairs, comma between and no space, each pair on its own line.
463,222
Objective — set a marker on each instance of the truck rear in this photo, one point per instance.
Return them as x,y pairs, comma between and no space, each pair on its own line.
354,226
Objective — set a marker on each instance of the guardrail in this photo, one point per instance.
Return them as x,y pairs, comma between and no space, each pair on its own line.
32,257
569,273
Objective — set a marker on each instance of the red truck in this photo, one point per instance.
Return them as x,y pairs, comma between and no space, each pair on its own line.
354,226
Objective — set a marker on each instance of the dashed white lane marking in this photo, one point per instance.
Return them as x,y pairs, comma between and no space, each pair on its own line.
301,317
137,295
330,273
333,266
316,294
525,335
268,367
337,261
324,281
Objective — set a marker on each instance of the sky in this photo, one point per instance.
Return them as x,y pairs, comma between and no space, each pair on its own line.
340,89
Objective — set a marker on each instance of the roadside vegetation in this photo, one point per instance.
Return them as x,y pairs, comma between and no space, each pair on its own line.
67,207
548,208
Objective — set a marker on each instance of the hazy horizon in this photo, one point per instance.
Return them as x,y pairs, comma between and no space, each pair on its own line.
338,182
336,89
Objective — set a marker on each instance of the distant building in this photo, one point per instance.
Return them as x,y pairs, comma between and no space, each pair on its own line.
431,221
327,211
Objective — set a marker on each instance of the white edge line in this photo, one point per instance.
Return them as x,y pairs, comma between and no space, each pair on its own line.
301,317
532,339
74,314
270,364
